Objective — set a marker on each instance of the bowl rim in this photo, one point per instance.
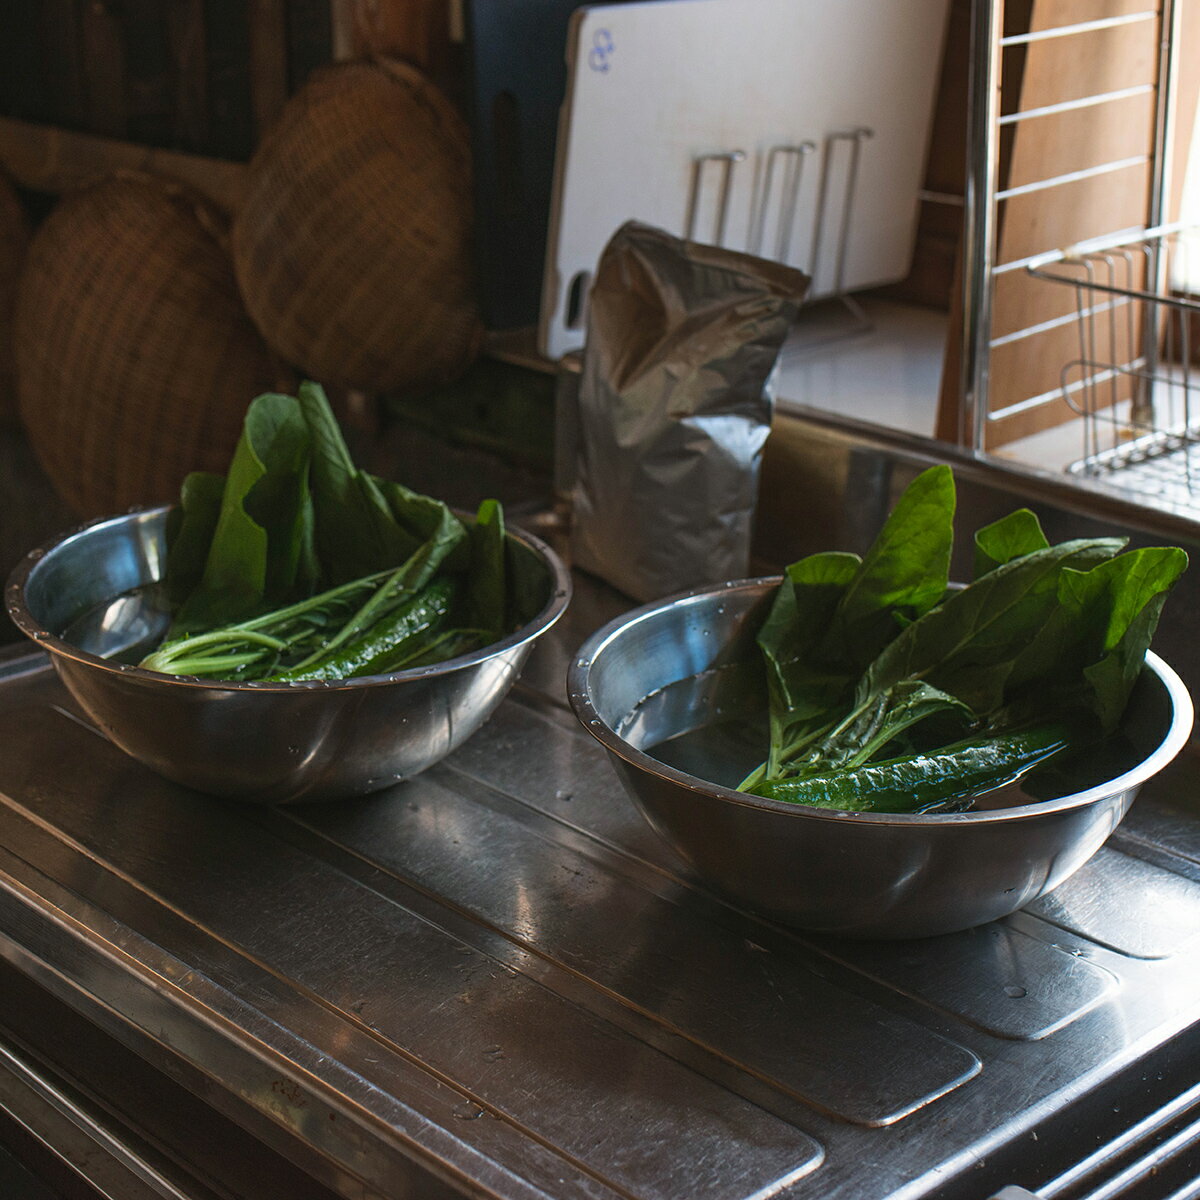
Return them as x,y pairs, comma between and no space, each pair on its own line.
578,694
18,610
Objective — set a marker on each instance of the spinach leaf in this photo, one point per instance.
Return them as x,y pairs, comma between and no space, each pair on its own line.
1013,536
1043,634
804,687
190,527
834,612
968,645
487,590
247,552
242,569
906,570
798,625
882,719
1118,605
362,523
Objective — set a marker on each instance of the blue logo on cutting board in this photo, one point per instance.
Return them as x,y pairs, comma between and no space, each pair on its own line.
601,51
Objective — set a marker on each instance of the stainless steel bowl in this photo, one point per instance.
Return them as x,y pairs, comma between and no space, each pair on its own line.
675,693
90,596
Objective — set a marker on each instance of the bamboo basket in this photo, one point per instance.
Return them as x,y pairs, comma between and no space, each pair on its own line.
353,242
135,357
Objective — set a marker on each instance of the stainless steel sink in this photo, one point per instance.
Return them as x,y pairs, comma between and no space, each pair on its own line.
496,981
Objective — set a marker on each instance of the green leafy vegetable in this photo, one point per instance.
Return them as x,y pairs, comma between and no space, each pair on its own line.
947,780
488,598
1018,534
835,612
878,662
384,644
298,565
257,553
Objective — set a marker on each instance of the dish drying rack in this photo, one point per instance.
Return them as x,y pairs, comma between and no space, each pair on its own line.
1136,382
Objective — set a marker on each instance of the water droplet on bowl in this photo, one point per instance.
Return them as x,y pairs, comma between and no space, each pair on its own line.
562,796
1015,991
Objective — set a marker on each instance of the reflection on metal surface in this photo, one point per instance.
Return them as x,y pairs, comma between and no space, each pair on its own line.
499,978
1095,903
675,969
92,1150
682,671
997,977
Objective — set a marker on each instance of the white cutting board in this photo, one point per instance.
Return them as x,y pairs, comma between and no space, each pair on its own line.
653,86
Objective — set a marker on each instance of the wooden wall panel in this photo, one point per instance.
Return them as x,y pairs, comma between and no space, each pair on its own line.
1060,69
1032,224
1042,363
1056,70
1074,140
930,281
267,20
104,70
1038,73
1053,14
1019,302
1022,301
421,32
1043,221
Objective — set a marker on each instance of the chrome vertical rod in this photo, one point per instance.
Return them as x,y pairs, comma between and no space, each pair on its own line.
979,217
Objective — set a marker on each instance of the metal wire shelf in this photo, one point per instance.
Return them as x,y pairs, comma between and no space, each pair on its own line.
1136,382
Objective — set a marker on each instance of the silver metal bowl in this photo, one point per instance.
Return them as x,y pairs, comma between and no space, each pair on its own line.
675,693
89,599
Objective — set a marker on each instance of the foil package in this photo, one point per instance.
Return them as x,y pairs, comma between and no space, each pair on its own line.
674,407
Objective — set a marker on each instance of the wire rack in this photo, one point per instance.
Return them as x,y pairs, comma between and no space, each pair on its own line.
1136,382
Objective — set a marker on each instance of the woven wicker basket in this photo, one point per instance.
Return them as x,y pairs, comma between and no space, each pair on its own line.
14,239
135,357
352,245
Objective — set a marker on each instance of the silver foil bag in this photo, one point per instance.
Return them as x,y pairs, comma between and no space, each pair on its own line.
674,408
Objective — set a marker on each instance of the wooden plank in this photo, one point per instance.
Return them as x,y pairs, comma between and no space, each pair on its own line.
268,61
104,70
1054,14
1044,362
230,104
930,279
187,45
1064,69
1058,70
309,38
342,22
417,31
1078,139
1022,301
421,32
149,95
1043,221
1055,412
60,57
47,159
1039,74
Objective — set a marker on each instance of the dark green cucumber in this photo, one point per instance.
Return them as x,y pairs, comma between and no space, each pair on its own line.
925,782
390,643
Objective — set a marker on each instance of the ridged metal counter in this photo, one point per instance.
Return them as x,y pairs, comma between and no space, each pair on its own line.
495,981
